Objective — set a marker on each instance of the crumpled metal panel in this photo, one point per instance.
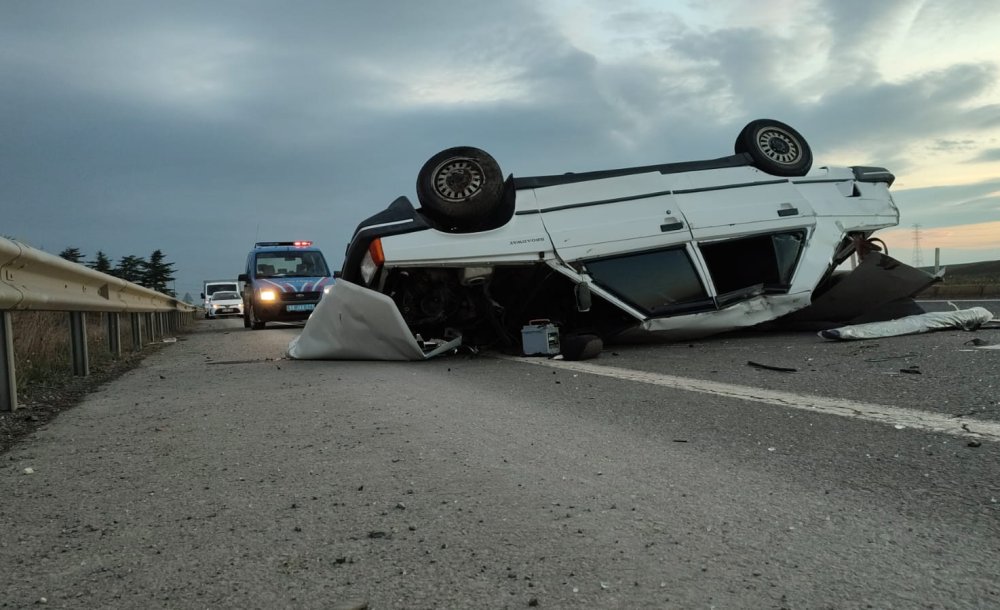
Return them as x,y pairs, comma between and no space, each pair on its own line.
354,323
876,282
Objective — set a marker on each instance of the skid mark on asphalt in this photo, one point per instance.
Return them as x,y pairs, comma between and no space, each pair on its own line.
882,414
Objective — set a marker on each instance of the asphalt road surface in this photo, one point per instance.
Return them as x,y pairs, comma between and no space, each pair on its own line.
220,475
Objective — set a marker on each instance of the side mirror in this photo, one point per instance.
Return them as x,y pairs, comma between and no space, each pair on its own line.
203,295
337,274
242,278
582,293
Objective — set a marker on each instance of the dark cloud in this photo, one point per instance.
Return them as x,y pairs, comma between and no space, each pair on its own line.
954,145
857,30
950,205
939,19
894,115
727,76
197,127
988,155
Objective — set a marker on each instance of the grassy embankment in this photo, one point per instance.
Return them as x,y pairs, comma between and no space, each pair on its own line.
42,347
968,280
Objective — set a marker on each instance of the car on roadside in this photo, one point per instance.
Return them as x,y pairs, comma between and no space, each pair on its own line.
283,281
676,250
210,287
223,303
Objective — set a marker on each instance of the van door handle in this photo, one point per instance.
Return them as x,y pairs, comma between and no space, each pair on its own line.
786,209
671,224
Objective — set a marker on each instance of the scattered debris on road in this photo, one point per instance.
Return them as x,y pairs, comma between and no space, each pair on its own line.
964,319
771,367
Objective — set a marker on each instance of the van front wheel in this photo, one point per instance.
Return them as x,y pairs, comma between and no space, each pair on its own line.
775,148
462,185
255,323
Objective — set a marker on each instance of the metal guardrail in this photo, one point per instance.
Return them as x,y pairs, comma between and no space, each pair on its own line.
33,280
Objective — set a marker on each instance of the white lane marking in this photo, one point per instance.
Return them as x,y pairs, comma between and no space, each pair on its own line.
882,414
989,300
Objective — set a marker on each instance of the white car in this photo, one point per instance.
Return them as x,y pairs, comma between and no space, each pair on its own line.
680,249
224,303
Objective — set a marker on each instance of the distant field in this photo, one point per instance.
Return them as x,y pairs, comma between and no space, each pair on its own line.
984,272
980,279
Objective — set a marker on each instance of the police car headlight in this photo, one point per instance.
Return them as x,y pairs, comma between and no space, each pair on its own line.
267,295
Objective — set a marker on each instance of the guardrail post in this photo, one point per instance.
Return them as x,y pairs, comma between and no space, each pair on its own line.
115,334
78,343
8,380
136,331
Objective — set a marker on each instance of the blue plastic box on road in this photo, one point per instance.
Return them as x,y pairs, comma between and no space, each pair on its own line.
540,337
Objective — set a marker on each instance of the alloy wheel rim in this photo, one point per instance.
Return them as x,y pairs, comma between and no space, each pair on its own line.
458,179
779,145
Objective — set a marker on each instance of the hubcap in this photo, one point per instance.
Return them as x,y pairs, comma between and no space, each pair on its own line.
779,145
458,179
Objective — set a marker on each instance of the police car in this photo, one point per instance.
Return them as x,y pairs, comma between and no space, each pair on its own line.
678,249
283,281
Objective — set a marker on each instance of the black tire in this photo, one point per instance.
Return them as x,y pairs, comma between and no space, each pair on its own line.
461,184
775,148
254,322
581,347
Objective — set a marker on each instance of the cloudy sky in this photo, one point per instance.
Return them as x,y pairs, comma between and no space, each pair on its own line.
199,127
